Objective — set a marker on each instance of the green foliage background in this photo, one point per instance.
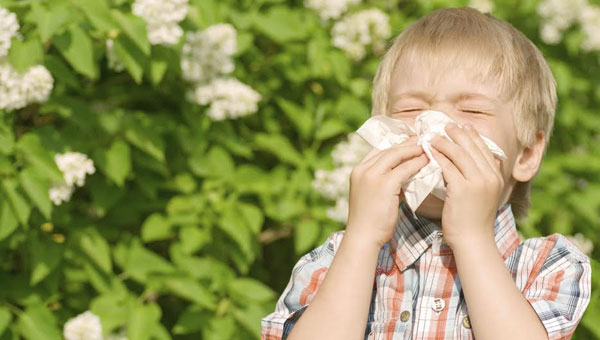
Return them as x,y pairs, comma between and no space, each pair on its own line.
190,227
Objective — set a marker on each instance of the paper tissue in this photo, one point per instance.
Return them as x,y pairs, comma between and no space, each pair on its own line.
382,132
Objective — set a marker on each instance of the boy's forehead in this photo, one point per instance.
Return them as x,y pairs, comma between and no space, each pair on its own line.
413,77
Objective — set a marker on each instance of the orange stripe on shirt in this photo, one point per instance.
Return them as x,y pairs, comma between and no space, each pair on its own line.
315,280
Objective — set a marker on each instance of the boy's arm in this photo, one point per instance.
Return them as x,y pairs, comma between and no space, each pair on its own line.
340,307
498,310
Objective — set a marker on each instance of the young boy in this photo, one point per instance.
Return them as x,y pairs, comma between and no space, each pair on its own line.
459,270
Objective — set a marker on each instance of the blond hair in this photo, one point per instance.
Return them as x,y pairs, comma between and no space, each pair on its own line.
459,36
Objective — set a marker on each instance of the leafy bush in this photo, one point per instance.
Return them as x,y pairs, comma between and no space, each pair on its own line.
161,176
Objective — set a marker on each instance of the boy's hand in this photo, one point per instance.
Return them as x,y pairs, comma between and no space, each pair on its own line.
474,185
376,189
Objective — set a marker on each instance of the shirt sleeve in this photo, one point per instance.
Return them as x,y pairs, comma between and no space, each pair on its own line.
560,285
307,275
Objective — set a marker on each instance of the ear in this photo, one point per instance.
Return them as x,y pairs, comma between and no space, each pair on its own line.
529,159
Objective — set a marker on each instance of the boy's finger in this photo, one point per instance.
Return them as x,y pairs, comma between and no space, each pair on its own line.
370,155
489,156
465,140
402,173
450,172
412,140
457,155
394,156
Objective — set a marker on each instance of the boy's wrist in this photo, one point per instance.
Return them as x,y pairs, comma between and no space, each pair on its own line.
362,243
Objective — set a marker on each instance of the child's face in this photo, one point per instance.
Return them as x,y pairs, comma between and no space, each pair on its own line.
484,110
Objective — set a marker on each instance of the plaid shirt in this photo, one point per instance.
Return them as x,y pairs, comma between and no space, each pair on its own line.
417,293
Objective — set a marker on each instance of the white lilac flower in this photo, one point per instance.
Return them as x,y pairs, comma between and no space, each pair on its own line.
9,26
557,16
330,9
74,166
162,18
339,212
114,63
589,19
356,31
19,90
85,326
351,151
207,54
227,97
60,192
335,184
485,6
583,243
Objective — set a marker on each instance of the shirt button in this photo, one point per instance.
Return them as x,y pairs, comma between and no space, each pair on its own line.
404,316
371,335
466,322
438,304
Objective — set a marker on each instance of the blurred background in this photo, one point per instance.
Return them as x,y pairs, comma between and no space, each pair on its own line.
166,163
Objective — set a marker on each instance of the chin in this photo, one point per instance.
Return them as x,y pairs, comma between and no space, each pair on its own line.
431,208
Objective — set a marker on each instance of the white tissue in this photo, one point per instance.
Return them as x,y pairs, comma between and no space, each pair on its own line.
382,132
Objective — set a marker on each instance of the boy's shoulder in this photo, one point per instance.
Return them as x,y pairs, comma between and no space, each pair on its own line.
553,247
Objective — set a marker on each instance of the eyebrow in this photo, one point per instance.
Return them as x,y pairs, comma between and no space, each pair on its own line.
455,98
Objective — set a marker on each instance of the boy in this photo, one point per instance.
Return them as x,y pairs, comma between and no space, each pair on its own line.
459,270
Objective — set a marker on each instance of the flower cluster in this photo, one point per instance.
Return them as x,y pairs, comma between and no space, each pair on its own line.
355,31
584,244
330,9
9,26
162,19
74,166
206,60
558,15
484,6
19,90
207,54
335,184
228,98
87,326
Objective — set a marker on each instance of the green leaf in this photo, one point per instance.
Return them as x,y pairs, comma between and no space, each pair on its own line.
193,319
156,227
216,163
18,204
5,319
330,128
98,12
95,247
190,289
116,162
252,215
7,139
8,220
193,238
142,321
50,20
38,323
76,47
301,118
283,24
30,147
131,56
306,233
146,140
36,187
24,54
135,28
250,290
45,256
234,225
279,146
141,262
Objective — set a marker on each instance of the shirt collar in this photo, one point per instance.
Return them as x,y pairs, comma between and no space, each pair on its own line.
413,235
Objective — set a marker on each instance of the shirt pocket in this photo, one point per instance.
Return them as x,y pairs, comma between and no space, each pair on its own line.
395,319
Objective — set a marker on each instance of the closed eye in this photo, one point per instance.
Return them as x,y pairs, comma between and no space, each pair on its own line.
473,111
